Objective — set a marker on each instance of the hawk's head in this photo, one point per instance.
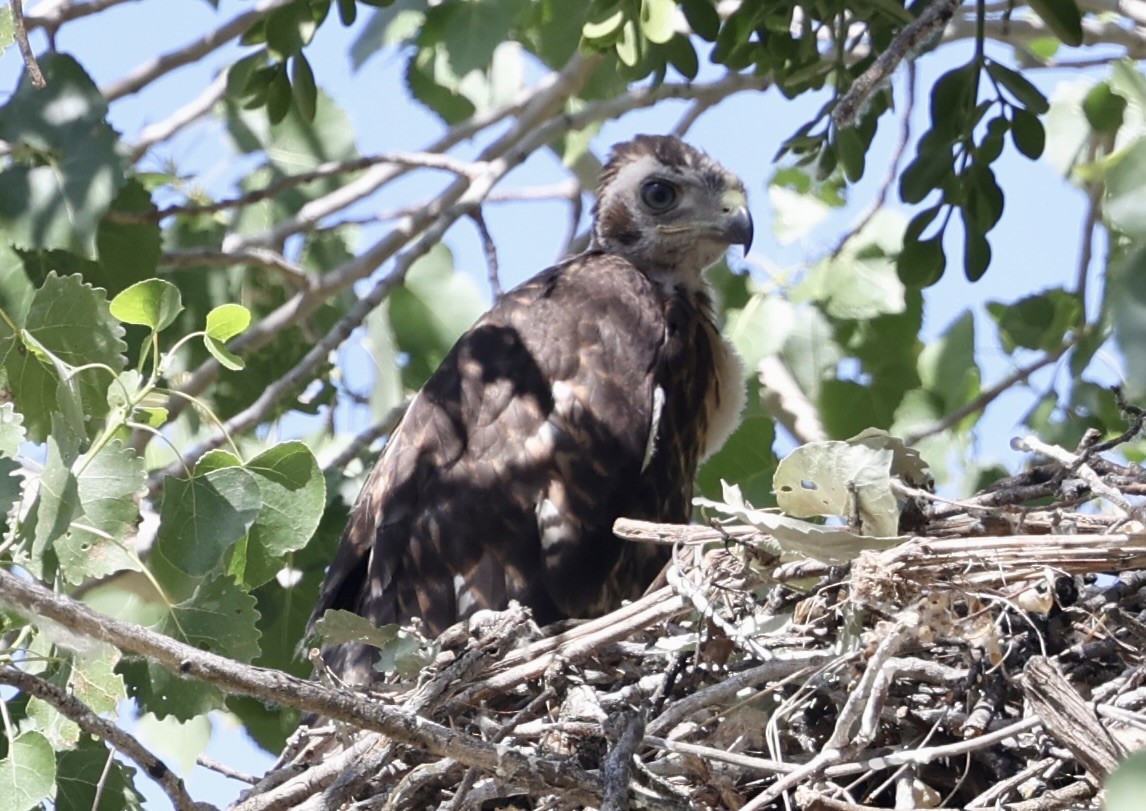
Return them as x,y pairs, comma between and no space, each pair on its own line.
669,209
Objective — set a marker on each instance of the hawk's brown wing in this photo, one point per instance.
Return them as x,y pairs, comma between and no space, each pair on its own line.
505,476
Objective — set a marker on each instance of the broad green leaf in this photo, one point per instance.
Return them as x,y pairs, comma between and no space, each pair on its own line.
12,432
1104,109
607,26
703,18
430,312
1126,786
746,458
293,497
57,502
93,680
1028,134
1040,321
28,773
62,732
70,320
108,486
976,252
304,87
219,618
204,516
7,29
223,323
469,32
1128,292
227,320
57,199
400,651
657,20
1125,205
152,303
849,287
1062,17
1019,86
759,329
89,769
921,262
947,365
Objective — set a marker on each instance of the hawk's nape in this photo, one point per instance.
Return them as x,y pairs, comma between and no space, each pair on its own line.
590,392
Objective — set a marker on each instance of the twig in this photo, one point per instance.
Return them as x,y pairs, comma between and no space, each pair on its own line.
489,249
626,729
988,396
190,53
225,770
195,109
910,38
74,709
20,33
366,438
1032,444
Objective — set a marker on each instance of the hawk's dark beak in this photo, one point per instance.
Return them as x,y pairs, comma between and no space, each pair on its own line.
737,228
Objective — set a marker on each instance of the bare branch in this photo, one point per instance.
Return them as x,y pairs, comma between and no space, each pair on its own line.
20,32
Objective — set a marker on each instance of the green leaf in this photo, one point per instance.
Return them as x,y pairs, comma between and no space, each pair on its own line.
279,95
1019,86
928,171
852,288
224,323
57,502
703,18
152,303
1128,311
400,651
89,770
852,152
430,312
604,27
57,198
1062,17
93,680
657,20
304,86
218,618
921,263
1104,109
28,773
203,516
759,329
1125,204
12,432
947,365
976,252
108,487
1126,786
1040,321
293,494
746,458
1028,134
72,321
7,29
471,31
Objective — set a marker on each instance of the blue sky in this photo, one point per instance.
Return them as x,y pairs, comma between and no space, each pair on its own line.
1035,245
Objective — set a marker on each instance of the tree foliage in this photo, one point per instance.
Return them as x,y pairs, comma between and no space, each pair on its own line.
179,442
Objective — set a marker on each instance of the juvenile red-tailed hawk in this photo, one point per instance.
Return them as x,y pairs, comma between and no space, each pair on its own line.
589,392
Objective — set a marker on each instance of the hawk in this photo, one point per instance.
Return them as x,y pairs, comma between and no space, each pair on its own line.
589,392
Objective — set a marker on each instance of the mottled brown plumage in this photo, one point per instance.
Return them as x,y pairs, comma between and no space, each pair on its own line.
589,392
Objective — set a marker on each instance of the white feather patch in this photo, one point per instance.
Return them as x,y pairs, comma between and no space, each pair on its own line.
654,426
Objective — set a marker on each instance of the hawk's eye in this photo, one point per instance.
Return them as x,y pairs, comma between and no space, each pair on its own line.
658,195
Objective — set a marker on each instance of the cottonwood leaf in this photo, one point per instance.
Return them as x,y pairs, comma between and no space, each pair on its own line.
793,537
399,650
93,681
218,618
89,770
108,483
12,432
28,773
56,196
70,320
204,515
151,303
839,479
293,494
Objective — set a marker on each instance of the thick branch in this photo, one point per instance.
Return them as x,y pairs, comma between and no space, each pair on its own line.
540,774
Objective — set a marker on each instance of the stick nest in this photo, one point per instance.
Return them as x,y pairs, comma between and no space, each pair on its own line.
992,661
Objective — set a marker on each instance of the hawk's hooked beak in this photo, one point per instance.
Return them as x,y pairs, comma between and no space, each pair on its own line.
737,228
